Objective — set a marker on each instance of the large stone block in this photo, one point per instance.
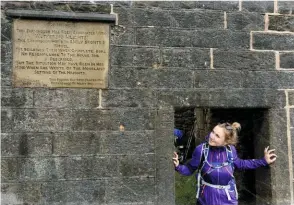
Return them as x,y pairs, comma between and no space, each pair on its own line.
26,144
74,192
258,6
151,17
150,4
21,193
40,120
88,167
128,98
218,79
137,165
6,120
128,142
125,15
197,19
220,39
17,97
66,98
281,23
77,143
291,97
241,59
245,21
162,78
285,7
10,169
186,58
97,120
179,98
122,78
163,36
86,6
261,79
287,60
273,41
130,190
285,79
218,5
149,57
121,35
121,55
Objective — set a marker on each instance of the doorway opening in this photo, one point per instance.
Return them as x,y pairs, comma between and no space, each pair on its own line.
253,186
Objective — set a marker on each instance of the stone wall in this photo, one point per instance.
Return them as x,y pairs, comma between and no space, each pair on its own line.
64,146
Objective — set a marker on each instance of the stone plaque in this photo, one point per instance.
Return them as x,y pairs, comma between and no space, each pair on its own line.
60,54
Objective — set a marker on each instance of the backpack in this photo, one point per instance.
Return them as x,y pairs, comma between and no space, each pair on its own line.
204,155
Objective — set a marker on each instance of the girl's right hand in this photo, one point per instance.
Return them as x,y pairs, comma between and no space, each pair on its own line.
176,159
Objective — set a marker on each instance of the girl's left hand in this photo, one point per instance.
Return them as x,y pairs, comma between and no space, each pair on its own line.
269,155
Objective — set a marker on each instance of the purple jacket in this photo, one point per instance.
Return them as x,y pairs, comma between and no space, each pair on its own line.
222,176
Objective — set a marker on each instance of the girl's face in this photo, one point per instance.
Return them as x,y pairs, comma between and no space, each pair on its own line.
217,137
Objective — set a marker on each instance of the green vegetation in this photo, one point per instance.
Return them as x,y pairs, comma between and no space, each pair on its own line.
185,189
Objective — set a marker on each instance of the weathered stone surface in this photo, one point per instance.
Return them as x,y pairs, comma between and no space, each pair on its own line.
149,57
17,97
74,168
128,142
291,97
74,192
281,23
77,143
258,6
273,41
245,21
291,117
218,79
197,19
261,79
130,190
121,35
279,170
240,59
164,79
26,144
285,7
9,169
287,60
152,17
125,15
220,39
6,53
121,55
66,98
6,75
186,58
163,36
6,120
218,5
6,31
128,98
126,78
137,165
285,79
21,193
38,169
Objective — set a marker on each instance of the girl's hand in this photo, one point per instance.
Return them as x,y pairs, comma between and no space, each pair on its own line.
269,155
176,159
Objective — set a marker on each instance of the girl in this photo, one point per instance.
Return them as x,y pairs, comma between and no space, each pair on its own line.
216,160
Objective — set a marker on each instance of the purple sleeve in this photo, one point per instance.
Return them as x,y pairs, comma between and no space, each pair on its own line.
193,164
243,164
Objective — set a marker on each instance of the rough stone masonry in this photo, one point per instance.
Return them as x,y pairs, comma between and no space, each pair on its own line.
63,146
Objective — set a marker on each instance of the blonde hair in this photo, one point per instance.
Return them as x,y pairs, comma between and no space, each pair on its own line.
231,132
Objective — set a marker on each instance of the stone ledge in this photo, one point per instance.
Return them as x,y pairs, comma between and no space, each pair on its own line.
58,15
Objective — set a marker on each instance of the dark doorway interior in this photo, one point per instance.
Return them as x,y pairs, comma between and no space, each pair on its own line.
254,136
